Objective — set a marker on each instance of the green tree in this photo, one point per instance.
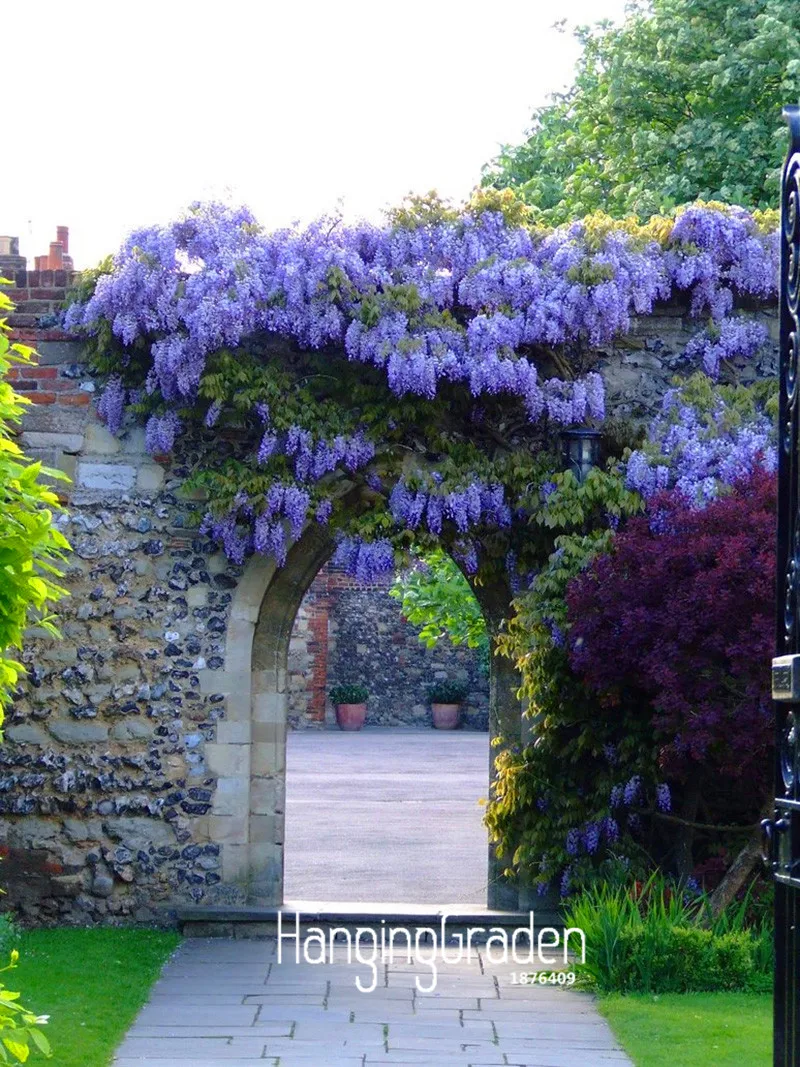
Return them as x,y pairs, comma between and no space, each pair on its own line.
31,548
436,598
682,101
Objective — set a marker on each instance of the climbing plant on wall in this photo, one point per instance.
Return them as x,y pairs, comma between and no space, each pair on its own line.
403,383
404,386
639,653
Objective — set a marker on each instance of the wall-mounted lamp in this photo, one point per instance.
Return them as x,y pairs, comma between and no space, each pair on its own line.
580,450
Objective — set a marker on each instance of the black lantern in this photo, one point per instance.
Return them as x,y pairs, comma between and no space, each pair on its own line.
580,451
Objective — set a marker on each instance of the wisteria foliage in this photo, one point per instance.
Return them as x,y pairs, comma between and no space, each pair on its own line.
467,302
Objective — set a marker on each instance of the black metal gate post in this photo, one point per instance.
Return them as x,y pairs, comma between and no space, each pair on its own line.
782,832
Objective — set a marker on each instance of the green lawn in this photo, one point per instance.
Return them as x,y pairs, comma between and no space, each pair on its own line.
91,983
685,1030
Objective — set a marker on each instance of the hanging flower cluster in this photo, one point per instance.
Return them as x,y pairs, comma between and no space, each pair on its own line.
465,507
466,302
727,340
705,441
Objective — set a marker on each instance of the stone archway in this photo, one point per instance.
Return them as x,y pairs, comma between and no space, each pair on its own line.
249,756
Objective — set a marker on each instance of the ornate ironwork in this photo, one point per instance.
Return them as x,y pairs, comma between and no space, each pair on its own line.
782,831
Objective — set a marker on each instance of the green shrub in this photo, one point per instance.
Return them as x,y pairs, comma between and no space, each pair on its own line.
349,694
652,939
655,958
447,692
436,598
9,934
763,956
31,548
19,1028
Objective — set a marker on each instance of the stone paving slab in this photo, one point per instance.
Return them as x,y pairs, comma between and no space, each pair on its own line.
231,1004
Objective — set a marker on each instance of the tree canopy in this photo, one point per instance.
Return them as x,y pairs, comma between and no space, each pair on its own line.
681,101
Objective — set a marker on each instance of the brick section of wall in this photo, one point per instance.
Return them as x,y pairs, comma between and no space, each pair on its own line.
58,386
39,296
60,427
308,657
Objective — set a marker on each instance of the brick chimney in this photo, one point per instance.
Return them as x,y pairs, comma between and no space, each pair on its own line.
58,257
55,261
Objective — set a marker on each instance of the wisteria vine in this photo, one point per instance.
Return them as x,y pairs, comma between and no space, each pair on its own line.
456,312
706,440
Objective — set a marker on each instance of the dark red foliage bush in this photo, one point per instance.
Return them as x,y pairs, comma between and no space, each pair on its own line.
679,618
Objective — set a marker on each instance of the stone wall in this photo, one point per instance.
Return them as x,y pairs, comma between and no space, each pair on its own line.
346,632
107,795
639,368
143,767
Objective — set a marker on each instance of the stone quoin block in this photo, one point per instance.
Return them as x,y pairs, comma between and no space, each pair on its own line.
98,441
229,829
228,761
267,795
234,733
66,442
150,478
111,477
231,795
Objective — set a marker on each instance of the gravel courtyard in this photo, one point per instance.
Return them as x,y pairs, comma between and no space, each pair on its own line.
386,815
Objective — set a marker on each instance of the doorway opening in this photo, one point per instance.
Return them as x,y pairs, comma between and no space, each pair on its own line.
390,812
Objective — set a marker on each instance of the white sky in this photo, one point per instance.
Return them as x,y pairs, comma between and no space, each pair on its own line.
124,112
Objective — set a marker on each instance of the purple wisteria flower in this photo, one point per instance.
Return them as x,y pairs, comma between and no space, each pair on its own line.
591,837
367,561
663,797
610,828
632,790
516,291
701,452
731,339
160,433
565,885
485,296
213,414
323,512
111,405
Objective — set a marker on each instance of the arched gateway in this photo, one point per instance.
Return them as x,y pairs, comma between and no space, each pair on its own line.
249,754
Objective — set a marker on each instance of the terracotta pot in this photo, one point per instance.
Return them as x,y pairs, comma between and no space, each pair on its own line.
350,716
446,716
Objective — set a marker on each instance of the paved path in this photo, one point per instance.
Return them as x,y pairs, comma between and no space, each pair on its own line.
386,815
222,1003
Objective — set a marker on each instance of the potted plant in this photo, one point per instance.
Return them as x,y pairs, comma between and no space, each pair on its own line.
446,698
351,705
